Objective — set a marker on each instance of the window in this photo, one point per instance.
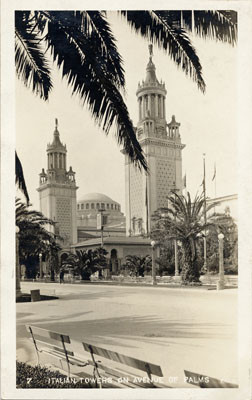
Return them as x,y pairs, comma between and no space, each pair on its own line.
78,206
107,206
82,206
87,206
112,206
97,205
92,206
102,205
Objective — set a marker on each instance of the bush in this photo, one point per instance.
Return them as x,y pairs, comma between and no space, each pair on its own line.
29,377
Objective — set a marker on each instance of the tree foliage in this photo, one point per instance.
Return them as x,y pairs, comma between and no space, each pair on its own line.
183,220
87,262
223,224
34,238
136,265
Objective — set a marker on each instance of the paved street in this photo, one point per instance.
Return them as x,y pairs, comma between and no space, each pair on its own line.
192,329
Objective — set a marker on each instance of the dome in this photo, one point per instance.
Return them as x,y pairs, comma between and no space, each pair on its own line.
95,197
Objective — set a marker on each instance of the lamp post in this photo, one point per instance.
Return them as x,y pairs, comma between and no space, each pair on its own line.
220,282
18,288
153,244
101,210
40,265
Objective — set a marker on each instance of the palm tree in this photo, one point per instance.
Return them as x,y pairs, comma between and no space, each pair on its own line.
184,221
137,265
34,238
87,262
84,49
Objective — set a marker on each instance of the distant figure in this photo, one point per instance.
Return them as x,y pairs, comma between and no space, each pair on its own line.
62,276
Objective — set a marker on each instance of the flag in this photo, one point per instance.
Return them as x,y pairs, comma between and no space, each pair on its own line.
214,175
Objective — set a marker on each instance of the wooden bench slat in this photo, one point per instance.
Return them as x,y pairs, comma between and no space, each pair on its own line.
122,359
48,334
53,344
54,347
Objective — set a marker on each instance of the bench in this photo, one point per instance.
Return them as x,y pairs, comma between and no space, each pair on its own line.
206,382
83,360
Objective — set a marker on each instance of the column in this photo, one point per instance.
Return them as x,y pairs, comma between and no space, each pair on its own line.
162,106
149,103
156,105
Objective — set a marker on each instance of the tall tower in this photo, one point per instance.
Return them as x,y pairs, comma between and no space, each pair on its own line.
162,146
57,191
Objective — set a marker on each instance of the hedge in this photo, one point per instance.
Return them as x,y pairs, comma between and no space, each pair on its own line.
29,377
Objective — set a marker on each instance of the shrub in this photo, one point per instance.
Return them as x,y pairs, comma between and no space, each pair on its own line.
29,377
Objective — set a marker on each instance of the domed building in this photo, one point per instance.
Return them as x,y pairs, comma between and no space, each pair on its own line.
90,207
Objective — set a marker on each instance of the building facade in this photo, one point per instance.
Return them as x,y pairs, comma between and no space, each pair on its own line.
89,207
57,192
161,143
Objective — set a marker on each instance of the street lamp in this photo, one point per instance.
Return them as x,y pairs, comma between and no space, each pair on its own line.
40,265
153,244
100,224
18,288
220,282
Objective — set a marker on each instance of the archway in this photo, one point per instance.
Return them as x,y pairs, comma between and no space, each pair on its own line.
114,261
63,258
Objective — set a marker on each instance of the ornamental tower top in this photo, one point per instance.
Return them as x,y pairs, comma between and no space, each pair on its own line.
57,162
151,103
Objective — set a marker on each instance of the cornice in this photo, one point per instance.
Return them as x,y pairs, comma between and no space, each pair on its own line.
161,142
58,186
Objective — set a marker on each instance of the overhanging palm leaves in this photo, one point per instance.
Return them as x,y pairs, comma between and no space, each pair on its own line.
20,180
84,49
158,29
31,64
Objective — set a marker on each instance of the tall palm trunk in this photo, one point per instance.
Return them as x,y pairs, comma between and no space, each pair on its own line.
190,272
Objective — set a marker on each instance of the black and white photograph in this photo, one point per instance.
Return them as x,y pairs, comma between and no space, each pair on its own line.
125,246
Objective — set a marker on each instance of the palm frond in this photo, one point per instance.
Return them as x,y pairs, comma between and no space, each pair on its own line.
219,25
20,180
94,23
83,68
157,28
31,65
25,215
214,24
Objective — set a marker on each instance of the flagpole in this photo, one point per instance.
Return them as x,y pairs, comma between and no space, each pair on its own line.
205,219
215,182
214,178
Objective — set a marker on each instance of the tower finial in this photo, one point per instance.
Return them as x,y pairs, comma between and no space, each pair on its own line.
56,123
151,50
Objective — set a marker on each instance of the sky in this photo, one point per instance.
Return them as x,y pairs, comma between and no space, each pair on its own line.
208,121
